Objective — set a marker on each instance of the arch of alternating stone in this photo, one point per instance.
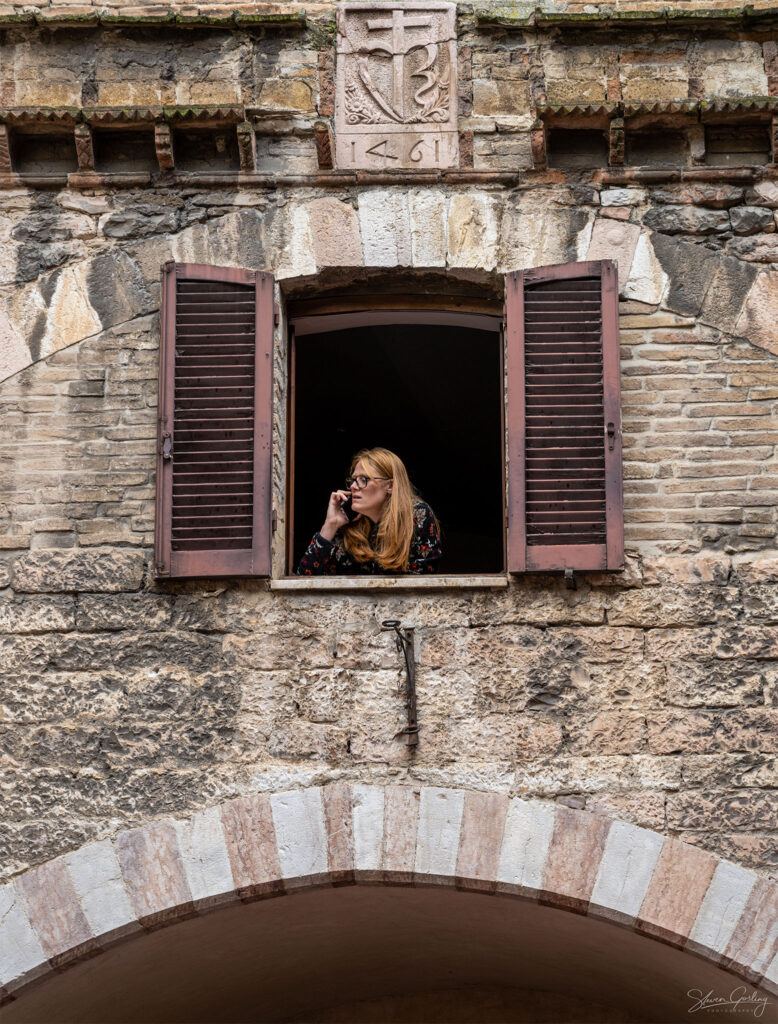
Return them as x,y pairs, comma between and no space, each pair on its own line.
274,844
478,230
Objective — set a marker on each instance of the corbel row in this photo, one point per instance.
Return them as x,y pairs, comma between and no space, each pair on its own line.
83,122
618,118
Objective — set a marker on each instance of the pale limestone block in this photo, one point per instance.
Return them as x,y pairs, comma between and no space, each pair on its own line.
302,840
205,857
437,843
192,245
97,877
70,316
722,906
614,240
21,955
647,281
525,844
767,192
472,231
622,196
626,868
336,238
760,313
584,240
294,249
384,220
14,354
771,974
429,228
368,810
732,68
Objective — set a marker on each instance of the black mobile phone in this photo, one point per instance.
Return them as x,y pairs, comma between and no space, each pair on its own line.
346,507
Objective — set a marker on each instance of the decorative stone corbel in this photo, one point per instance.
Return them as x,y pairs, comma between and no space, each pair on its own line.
5,150
247,146
537,138
85,151
163,142
616,142
324,145
774,138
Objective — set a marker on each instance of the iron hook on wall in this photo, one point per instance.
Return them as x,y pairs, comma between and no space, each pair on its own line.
404,641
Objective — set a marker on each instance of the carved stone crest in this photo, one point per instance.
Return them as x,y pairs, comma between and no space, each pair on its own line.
396,86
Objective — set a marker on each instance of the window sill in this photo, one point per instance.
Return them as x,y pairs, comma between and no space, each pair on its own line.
362,583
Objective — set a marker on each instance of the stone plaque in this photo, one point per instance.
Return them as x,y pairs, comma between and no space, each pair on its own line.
396,86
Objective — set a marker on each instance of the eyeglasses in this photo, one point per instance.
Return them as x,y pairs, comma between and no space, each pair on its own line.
362,481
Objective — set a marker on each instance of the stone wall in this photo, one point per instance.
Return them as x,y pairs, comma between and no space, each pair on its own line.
649,695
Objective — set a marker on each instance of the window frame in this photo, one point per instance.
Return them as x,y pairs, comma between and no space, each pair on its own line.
302,323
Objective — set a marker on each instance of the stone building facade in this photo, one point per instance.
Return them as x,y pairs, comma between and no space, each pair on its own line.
174,751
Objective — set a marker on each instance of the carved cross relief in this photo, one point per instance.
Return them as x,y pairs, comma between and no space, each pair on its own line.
396,86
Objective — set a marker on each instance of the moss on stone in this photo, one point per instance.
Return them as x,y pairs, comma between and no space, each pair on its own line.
505,14
118,18
245,19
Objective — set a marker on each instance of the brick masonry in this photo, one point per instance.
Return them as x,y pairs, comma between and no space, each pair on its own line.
649,696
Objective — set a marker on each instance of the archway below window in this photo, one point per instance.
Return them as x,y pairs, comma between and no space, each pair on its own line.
427,385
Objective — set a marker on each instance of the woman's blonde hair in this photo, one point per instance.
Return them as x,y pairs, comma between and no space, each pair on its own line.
395,528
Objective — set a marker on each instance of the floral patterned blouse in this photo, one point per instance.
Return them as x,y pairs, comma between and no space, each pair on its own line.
329,557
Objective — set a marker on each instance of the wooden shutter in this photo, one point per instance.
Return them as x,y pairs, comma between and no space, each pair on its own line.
215,417
564,418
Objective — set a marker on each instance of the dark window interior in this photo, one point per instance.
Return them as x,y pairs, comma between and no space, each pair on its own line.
206,149
736,145
125,151
658,148
38,153
577,147
433,395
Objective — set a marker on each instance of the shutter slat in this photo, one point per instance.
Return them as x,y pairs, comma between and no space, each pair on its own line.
215,403
562,330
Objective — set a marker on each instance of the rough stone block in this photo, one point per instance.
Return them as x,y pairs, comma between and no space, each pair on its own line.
97,571
21,954
401,824
97,878
154,873
690,269
472,231
428,227
54,910
625,871
722,908
727,294
675,894
574,856
483,825
440,818
302,841
686,220
525,845
368,818
754,942
36,614
647,280
250,836
385,227
336,237
614,240
205,859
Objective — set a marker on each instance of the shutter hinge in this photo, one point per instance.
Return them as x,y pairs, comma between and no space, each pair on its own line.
274,521
167,446
611,432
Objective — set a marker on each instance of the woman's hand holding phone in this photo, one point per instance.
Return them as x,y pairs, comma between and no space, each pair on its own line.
336,517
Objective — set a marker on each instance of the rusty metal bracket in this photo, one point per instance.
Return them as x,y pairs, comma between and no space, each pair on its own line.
404,641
